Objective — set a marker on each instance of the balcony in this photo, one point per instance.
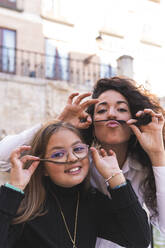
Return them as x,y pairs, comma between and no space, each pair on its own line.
44,66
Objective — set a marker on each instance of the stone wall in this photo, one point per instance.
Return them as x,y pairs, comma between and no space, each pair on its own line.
25,101
22,103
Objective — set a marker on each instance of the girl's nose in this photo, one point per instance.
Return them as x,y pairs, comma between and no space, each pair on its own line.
71,157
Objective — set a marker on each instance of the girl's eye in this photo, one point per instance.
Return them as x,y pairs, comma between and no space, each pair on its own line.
58,154
122,110
101,111
79,149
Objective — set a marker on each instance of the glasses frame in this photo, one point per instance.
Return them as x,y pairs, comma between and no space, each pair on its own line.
69,162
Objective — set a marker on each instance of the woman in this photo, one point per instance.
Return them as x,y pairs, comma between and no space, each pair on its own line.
139,149
48,202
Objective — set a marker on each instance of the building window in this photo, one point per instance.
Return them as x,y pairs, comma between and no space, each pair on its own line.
105,71
7,50
57,61
8,3
107,68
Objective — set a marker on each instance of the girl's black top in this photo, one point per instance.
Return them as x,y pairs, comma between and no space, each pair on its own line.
120,219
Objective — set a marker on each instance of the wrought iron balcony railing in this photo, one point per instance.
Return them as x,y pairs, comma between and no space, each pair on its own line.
46,66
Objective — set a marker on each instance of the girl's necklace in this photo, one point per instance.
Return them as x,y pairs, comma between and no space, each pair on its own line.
73,240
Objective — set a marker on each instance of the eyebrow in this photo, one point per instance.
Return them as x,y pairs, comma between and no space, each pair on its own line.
105,103
61,147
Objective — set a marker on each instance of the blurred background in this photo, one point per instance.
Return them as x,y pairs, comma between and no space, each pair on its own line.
50,48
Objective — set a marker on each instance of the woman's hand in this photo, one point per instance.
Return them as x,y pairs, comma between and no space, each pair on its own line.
74,112
150,136
107,165
20,177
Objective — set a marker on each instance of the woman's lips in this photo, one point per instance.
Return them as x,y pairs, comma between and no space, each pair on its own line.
119,121
112,123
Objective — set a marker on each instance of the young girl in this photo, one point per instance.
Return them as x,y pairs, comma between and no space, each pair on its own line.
48,201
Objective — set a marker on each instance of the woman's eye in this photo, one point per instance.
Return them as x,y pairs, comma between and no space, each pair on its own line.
122,110
101,111
57,155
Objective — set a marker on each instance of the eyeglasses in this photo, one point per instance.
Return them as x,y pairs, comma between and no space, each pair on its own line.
60,156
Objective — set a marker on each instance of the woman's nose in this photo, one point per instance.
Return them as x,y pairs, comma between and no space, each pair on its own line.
111,113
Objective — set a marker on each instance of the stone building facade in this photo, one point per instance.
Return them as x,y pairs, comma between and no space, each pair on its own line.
27,97
44,45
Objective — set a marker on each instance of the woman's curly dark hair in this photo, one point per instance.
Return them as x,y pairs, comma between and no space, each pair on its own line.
138,99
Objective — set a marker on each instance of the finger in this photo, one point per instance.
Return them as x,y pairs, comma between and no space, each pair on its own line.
95,154
156,117
89,119
131,121
85,120
87,103
70,98
112,153
85,117
149,111
81,97
103,152
15,155
135,130
154,114
33,167
160,117
17,151
84,125
140,112
15,162
26,158
148,116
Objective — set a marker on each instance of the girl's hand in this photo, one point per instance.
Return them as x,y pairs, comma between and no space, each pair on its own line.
74,112
150,136
107,165
20,177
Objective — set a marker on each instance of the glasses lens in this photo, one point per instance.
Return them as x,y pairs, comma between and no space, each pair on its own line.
59,156
80,150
